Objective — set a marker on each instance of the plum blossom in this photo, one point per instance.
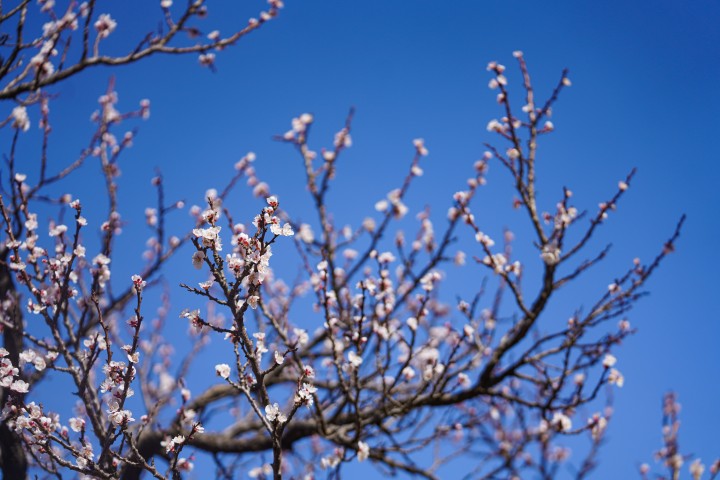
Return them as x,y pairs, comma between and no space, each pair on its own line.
105,25
21,121
20,386
301,336
305,394
616,378
223,370
308,371
354,359
284,231
209,237
76,424
697,469
57,230
138,282
363,451
412,323
207,59
120,417
171,444
561,421
279,358
419,144
252,300
197,259
483,239
599,424
550,254
273,413
265,471
609,361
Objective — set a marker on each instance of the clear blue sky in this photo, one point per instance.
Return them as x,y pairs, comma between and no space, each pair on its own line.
645,77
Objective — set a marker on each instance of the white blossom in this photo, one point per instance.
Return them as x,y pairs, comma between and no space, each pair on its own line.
273,413
223,370
561,422
105,25
354,359
609,361
363,451
21,120
279,359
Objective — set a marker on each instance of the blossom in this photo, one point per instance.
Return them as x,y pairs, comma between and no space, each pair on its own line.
197,259
21,121
550,254
19,386
697,469
308,371
207,59
273,413
354,359
138,282
105,25
386,257
419,144
412,323
484,239
57,230
173,443
343,139
301,335
185,465
252,300
39,364
363,451
616,378
305,394
494,126
599,424
223,370
408,373
100,259
561,421
210,237
76,424
609,361
120,417
279,358
265,471
284,231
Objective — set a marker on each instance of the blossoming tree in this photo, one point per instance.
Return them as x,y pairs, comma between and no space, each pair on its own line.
395,371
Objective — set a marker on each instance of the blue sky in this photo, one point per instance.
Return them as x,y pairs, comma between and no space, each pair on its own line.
644,95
